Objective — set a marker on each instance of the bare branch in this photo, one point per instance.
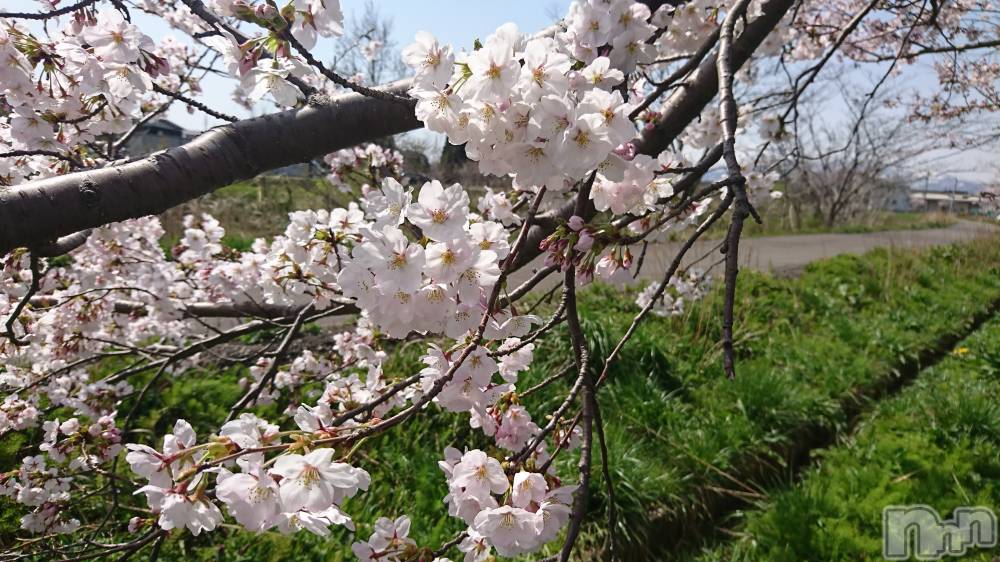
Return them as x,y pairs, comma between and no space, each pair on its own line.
272,370
727,106
36,276
47,15
193,103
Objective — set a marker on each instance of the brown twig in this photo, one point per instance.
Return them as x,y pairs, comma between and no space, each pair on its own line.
272,370
608,485
194,103
36,277
743,209
46,15
340,80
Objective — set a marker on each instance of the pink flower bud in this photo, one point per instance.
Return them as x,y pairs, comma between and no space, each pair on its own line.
626,151
576,223
265,11
585,243
248,62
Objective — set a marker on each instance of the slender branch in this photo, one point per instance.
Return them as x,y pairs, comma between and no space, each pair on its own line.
581,355
193,103
272,370
674,265
727,108
340,80
116,146
528,285
36,277
63,245
678,74
49,153
46,15
937,50
77,120
608,485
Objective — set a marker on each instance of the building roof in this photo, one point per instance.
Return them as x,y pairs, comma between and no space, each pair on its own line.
165,125
939,196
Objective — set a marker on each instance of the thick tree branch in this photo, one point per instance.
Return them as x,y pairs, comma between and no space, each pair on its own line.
53,207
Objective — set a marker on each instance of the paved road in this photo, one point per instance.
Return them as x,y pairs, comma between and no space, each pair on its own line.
787,255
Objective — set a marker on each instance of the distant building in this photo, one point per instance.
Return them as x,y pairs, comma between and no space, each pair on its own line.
159,134
897,198
947,202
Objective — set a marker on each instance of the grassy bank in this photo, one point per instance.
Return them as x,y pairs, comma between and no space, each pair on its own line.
776,223
687,438
936,443
254,208
681,436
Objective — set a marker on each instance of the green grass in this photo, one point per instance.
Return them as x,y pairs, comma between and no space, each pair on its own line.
776,223
674,423
805,344
936,443
256,208
676,426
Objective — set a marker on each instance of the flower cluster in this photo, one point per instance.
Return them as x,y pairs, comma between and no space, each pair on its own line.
432,287
544,110
292,492
362,165
532,510
390,543
681,289
44,481
101,66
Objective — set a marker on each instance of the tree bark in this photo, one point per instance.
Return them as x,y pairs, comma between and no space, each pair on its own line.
39,212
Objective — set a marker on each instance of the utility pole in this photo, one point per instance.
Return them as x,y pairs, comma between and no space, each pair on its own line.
951,203
927,181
